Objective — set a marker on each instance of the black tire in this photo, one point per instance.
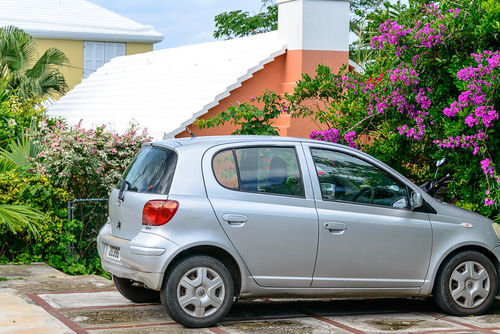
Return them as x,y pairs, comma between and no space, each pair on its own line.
135,293
466,303
198,292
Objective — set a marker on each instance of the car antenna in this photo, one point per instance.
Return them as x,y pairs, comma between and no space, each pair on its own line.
190,133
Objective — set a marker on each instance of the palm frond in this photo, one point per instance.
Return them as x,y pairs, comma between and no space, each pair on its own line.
51,57
52,83
17,48
5,92
6,165
18,53
19,218
19,152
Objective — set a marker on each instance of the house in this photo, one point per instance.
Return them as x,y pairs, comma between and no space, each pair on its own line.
166,90
88,34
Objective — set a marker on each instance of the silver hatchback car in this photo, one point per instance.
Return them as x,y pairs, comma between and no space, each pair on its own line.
201,222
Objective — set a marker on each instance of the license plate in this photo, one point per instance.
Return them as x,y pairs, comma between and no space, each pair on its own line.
113,253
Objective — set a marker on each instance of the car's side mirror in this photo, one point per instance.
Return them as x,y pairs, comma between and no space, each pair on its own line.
441,162
416,200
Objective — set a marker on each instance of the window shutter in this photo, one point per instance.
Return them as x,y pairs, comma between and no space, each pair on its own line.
99,55
88,58
96,54
114,50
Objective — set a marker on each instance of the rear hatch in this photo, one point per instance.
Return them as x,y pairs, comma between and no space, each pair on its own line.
148,177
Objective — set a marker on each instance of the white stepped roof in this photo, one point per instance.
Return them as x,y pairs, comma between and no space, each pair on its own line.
73,19
166,90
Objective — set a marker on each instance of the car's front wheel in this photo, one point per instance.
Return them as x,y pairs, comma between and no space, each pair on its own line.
466,284
198,291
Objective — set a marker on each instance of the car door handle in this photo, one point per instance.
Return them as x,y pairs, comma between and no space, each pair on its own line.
335,228
234,219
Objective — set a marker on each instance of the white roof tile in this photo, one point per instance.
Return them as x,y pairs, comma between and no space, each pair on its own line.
73,19
166,90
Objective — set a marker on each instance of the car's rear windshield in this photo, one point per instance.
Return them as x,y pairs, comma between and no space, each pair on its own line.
151,171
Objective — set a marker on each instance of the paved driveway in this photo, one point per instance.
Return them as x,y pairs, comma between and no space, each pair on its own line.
39,299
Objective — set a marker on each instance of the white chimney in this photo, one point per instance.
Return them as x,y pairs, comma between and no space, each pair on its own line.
321,25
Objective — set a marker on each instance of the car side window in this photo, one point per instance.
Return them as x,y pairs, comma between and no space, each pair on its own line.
224,168
273,170
343,177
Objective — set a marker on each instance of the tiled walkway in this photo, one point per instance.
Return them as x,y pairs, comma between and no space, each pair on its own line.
109,312
91,305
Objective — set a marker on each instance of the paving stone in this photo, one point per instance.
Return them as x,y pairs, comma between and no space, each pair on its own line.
19,316
281,326
153,314
39,277
490,320
86,299
175,329
484,321
89,302
405,322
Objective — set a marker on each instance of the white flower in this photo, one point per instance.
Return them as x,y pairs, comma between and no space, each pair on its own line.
12,122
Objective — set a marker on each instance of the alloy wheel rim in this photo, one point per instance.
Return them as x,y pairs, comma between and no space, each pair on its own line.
469,284
200,292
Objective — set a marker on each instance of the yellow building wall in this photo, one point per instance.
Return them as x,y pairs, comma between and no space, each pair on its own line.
73,50
73,72
134,48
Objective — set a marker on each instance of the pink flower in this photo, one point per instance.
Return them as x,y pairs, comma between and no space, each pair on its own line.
488,201
349,138
487,167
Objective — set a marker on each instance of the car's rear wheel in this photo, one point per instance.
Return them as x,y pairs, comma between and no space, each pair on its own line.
134,292
198,291
466,284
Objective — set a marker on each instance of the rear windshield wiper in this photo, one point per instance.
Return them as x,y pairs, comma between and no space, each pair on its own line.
123,186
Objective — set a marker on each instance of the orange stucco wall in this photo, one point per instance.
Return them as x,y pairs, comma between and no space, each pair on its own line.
279,76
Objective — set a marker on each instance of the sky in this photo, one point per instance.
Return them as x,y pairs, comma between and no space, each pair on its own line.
181,22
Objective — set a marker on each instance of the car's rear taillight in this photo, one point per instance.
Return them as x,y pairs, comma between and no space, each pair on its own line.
158,212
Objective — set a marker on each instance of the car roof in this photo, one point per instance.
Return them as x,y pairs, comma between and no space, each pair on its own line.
210,141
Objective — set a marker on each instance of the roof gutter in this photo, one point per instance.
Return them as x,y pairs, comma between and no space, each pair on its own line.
152,37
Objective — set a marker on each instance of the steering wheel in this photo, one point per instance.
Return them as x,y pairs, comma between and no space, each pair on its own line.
366,189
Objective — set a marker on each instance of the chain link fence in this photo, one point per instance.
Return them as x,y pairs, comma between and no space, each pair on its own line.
92,214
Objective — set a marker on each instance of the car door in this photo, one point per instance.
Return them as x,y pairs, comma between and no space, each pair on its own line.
369,237
266,208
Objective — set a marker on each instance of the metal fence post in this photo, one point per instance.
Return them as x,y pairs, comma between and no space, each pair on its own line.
70,209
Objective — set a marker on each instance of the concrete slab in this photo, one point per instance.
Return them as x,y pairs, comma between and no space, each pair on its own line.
90,304
119,316
19,316
282,326
174,329
41,278
396,323
490,320
85,299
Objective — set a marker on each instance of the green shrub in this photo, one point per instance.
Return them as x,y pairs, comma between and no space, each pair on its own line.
17,115
86,162
58,236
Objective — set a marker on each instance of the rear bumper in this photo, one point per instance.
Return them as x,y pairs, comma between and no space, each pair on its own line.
141,259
